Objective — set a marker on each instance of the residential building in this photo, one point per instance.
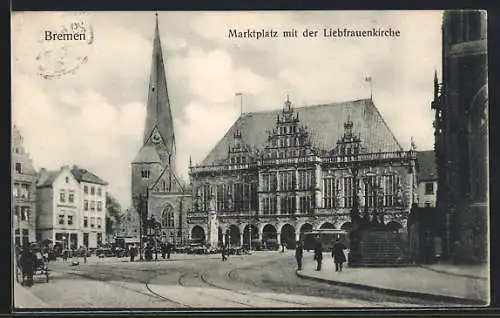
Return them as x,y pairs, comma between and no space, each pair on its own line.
23,176
427,178
92,195
71,205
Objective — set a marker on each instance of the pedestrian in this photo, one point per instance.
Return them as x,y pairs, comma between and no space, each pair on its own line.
84,251
338,254
318,253
224,253
27,265
299,251
168,250
132,252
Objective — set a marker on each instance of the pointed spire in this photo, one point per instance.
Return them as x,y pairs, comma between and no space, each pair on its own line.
288,104
436,85
159,116
190,162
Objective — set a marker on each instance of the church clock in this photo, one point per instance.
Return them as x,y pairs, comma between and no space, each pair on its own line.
156,138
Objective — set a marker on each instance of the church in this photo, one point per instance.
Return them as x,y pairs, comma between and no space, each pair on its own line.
277,174
157,191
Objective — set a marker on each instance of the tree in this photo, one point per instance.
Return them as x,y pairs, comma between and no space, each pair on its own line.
114,214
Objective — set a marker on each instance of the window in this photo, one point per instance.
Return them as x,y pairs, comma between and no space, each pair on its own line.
70,220
92,205
62,196
306,204
391,189
19,168
86,205
99,206
99,191
92,190
329,193
99,223
168,218
92,222
427,204
71,197
429,188
15,190
67,179
145,174
305,179
349,187
288,205
61,219
85,221
85,189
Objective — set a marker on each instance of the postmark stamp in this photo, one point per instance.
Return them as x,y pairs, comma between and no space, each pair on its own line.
64,48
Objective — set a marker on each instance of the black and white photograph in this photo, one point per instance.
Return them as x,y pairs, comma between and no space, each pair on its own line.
249,160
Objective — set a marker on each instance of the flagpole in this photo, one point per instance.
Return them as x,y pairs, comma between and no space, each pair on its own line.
241,102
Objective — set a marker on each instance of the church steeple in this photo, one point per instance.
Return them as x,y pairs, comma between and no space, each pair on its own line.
159,126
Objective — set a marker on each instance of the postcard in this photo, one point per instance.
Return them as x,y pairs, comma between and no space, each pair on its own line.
249,160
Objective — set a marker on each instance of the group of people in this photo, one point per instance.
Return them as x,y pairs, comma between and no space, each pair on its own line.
29,258
149,249
338,255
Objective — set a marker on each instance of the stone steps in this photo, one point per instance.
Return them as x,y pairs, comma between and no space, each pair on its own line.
381,248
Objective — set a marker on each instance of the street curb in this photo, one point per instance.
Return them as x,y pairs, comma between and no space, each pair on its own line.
398,292
429,268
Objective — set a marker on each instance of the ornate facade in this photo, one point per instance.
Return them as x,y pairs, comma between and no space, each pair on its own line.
277,174
23,191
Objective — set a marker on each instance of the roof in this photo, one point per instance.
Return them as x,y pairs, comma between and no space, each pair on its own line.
147,154
84,175
324,122
426,165
49,178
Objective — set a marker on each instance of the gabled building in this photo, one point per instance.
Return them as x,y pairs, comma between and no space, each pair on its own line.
156,190
23,176
71,205
277,174
59,208
92,196
426,178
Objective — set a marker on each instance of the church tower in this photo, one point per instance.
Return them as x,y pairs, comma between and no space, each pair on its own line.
154,164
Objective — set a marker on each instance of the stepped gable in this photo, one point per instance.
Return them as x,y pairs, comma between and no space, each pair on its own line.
426,165
324,122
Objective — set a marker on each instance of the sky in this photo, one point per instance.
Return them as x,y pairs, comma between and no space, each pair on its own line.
93,113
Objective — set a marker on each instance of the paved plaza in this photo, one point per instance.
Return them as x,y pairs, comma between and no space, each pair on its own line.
260,280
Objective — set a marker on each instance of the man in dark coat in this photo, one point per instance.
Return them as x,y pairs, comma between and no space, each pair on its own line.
338,254
163,250
318,253
132,252
169,250
28,264
224,252
299,251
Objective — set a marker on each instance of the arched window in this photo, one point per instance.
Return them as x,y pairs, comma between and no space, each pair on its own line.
167,217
